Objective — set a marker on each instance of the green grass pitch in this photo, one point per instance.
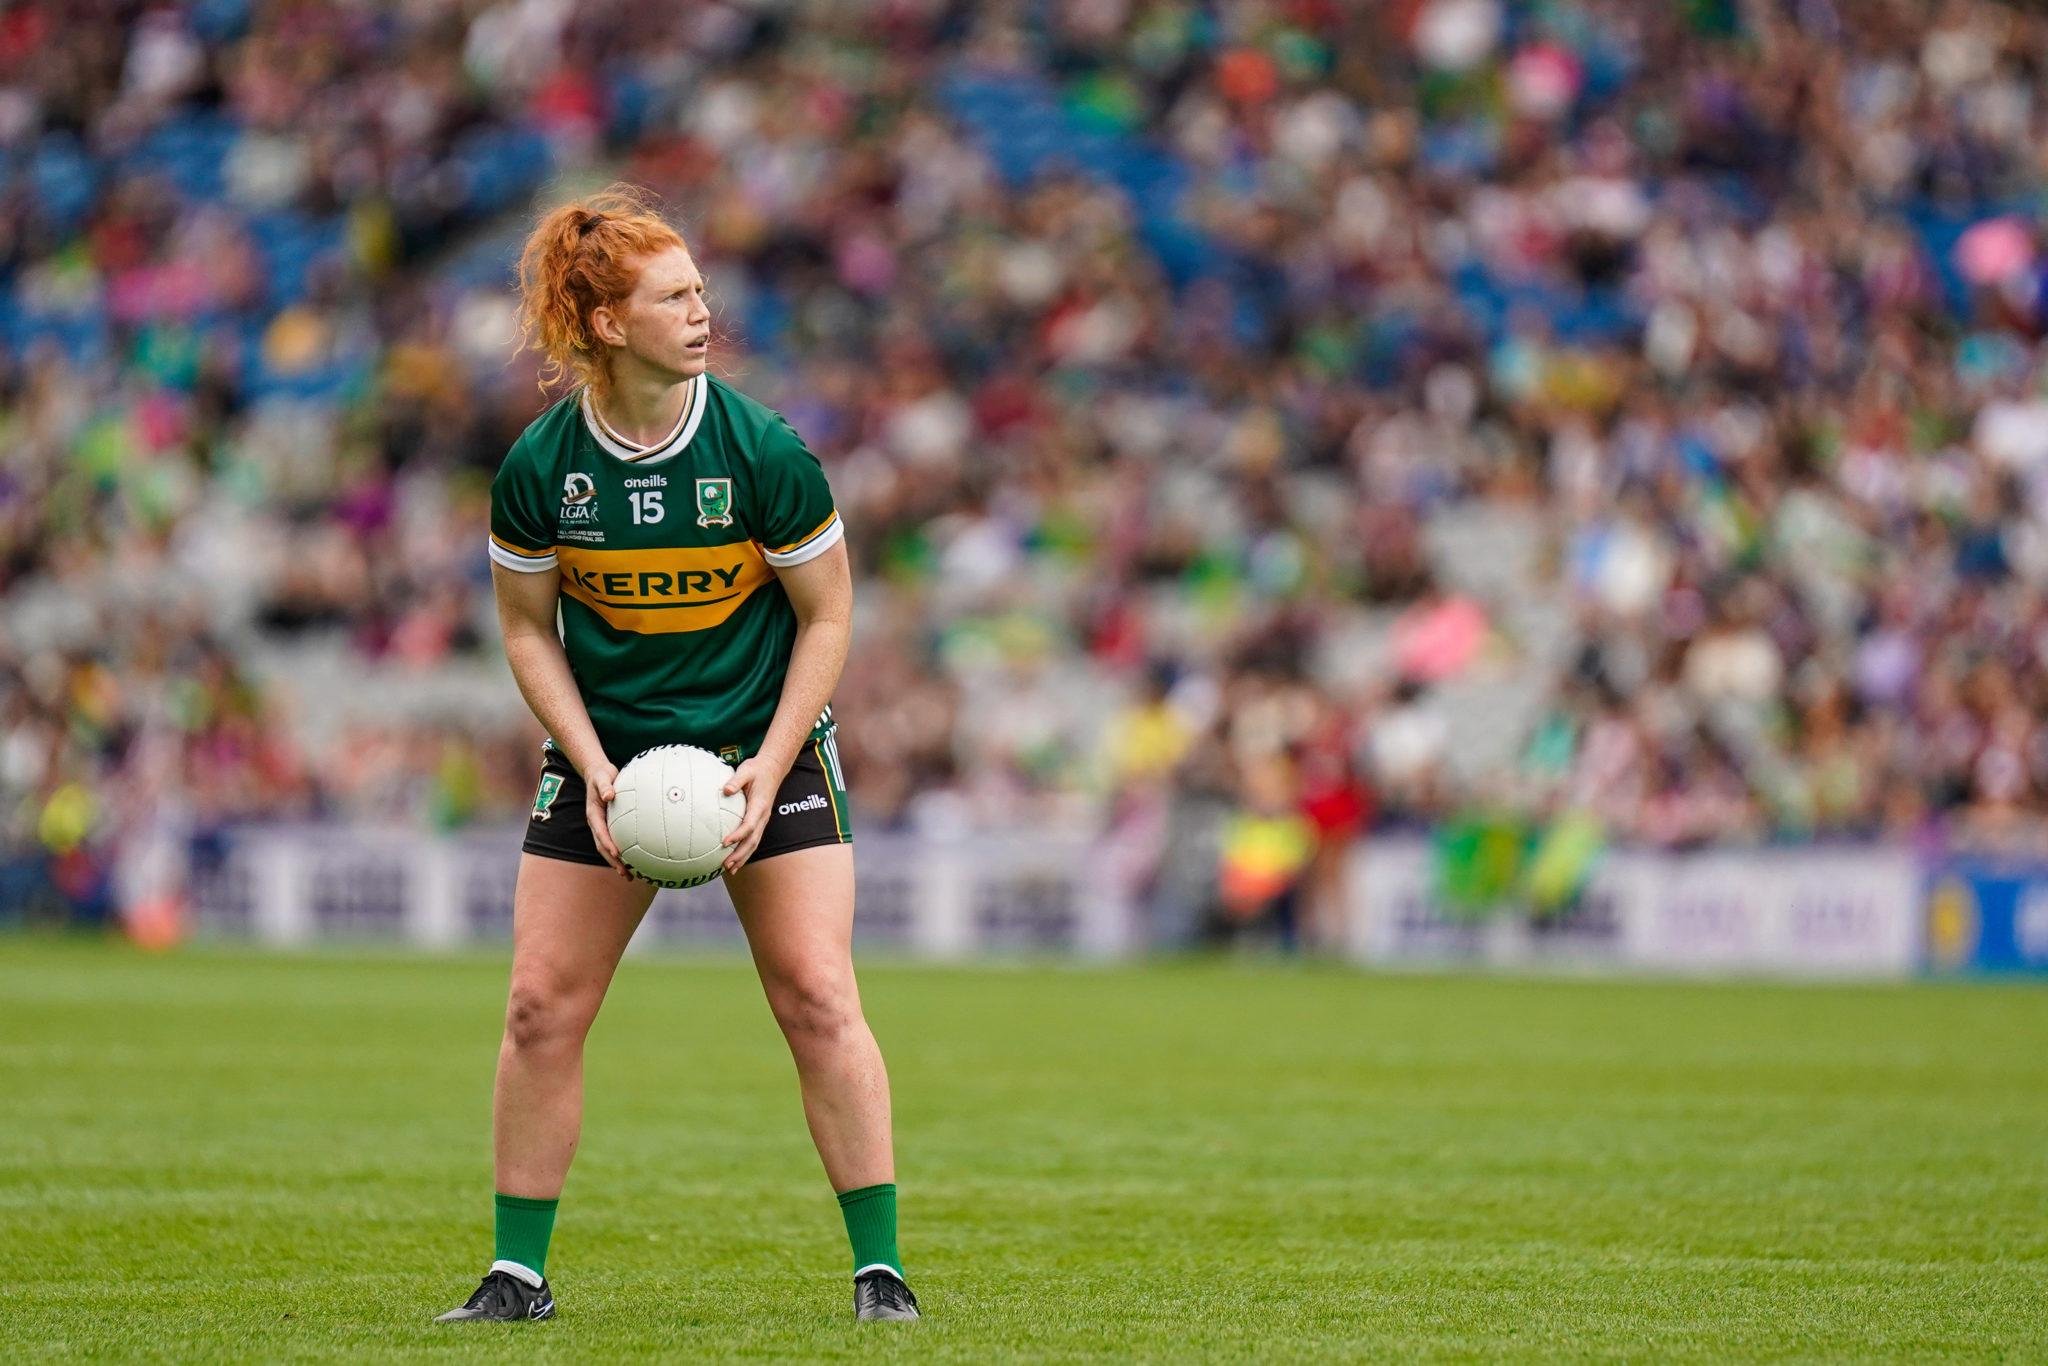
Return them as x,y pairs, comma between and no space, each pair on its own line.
222,1157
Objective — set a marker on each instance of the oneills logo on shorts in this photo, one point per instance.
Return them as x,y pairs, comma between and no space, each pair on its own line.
816,801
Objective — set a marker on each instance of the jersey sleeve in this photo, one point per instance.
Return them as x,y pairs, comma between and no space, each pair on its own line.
797,518
522,516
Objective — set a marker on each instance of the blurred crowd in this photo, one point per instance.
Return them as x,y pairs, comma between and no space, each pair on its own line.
1147,344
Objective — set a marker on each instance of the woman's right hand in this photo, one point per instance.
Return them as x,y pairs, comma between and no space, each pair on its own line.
597,794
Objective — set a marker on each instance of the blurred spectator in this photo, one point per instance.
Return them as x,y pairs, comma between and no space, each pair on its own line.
1265,850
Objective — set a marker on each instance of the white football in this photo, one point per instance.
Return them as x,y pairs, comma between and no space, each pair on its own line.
670,814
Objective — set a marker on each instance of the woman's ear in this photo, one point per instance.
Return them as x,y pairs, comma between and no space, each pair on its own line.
604,326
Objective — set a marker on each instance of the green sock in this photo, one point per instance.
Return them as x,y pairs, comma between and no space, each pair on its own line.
524,1227
871,1226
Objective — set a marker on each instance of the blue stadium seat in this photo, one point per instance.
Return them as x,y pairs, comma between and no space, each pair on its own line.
64,180
1023,127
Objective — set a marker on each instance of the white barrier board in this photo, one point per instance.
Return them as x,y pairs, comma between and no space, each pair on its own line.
291,885
1821,911
1852,911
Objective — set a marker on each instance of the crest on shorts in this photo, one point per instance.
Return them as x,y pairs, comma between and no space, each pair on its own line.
730,753
714,502
550,788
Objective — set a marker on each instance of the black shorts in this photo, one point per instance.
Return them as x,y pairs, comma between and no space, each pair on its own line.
810,809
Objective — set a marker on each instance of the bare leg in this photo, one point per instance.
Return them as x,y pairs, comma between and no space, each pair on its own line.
797,909
570,923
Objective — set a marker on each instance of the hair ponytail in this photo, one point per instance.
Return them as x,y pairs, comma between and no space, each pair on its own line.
578,258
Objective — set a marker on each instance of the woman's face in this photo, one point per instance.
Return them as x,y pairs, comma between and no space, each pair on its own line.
664,323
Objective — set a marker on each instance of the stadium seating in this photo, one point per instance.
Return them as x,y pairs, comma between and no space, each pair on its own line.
1605,407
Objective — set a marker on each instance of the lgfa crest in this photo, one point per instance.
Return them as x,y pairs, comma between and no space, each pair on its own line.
579,498
714,502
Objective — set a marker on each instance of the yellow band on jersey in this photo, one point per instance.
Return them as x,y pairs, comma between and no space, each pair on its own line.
663,591
817,531
521,551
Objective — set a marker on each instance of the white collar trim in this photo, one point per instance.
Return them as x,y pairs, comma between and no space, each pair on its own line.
686,427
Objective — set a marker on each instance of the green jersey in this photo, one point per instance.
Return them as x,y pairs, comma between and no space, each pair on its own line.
675,625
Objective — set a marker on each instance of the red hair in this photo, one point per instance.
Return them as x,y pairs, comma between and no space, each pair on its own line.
581,257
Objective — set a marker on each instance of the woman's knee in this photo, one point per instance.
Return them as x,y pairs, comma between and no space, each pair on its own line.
541,1014
815,1008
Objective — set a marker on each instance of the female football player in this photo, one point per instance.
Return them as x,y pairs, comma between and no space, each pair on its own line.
687,545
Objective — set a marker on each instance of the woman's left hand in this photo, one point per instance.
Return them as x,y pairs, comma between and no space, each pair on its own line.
760,778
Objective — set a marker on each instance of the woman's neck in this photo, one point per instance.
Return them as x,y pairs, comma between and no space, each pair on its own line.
640,407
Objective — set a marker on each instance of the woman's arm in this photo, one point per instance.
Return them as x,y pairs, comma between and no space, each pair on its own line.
526,616
821,591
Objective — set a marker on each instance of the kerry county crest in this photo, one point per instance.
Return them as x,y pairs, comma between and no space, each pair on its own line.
550,788
714,502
